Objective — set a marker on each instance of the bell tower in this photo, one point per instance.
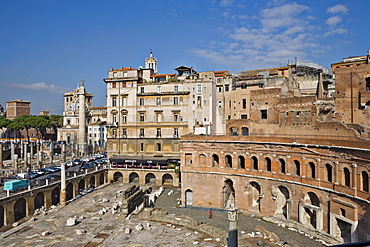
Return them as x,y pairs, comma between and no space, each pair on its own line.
151,63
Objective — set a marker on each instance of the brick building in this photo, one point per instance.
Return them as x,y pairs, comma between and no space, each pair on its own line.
16,108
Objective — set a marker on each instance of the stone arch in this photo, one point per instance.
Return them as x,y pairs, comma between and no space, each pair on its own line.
312,171
202,159
365,181
133,177
117,176
297,166
346,177
245,131
20,209
228,194
101,178
268,163
69,191
167,179
282,166
215,160
150,178
329,173
254,197
241,160
39,200
81,185
188,198
310,213
55,196
2,211
233,131
92,182
281,196
254,163
228,161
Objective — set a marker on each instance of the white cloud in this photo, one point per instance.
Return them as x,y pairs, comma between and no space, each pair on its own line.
339,8
226,3
42,86
333,20
336,31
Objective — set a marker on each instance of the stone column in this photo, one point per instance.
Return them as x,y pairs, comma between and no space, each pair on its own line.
12,150
63,153
63,195
51,152
1,155
25,155
233,227
82,121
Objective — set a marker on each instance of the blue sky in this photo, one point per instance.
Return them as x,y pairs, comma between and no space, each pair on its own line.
46,46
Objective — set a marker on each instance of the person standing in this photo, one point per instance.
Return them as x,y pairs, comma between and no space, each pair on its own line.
210,213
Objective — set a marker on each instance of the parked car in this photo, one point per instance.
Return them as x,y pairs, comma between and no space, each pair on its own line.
53,177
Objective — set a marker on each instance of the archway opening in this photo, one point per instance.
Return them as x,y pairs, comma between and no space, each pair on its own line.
55,196
268,164
133,177
228,194
167,179
255,163
39,200
241,162
150,178
188,198
117,176
228,161
20,209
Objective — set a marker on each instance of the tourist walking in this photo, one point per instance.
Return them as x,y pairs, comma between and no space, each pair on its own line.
210,213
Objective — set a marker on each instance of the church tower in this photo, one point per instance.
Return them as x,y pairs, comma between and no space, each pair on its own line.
151,63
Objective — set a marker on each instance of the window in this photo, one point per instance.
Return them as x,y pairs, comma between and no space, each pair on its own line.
175,100
268,164
159,132
244,116
282,165
159,117
141,132
255,163
226,88
114,133
142,117
159,147
263,114
124,118
142,89
175,132
114,85
124,133
219,104
114,101
219,89
114,74
175,88
297,168
175,117
114,118
245,131
158,101
329,173
141,101
159,89
124,101
365,181
244,103
199,101
313,172
219,79
199,88
347,177
142,147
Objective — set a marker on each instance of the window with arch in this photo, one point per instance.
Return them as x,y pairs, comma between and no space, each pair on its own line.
202,159
347,177
228,161
297,168
245,131
215,160
254,163
329,173
241,162
365,181
268,164
312,170
282,165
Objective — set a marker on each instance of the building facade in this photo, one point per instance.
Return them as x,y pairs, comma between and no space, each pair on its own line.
16,108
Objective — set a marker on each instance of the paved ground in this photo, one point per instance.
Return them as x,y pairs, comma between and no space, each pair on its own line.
110,229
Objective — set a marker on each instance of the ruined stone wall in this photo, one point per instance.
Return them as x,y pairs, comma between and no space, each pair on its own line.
320,188
352,96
